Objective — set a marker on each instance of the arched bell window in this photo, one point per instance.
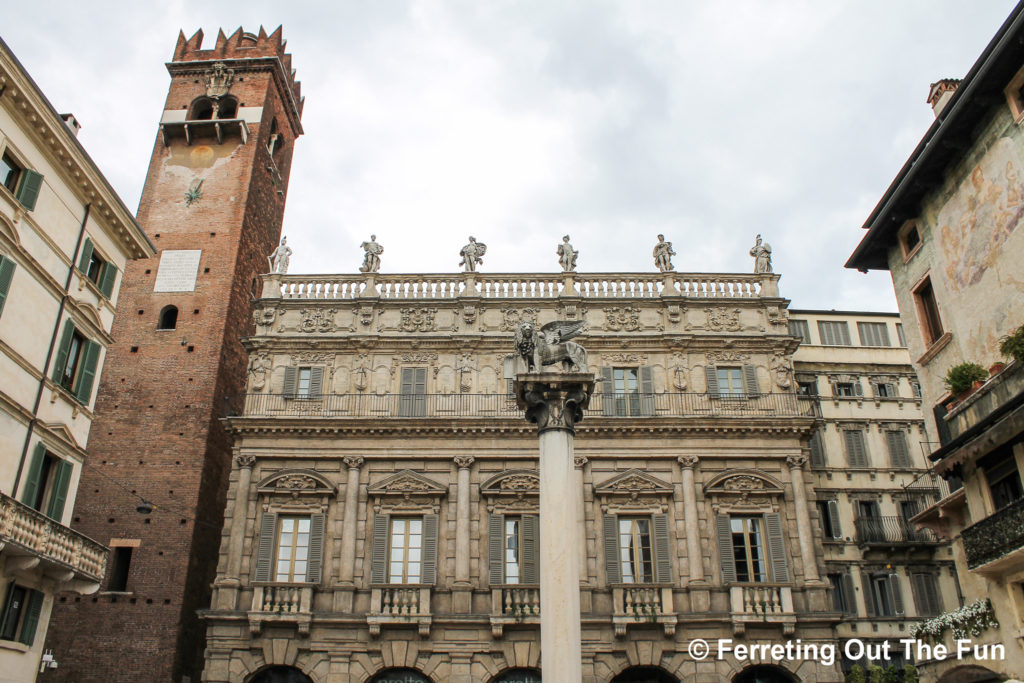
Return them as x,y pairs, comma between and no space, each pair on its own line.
201,110
168,318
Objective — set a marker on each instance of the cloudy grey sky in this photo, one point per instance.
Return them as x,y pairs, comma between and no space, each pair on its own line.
518,122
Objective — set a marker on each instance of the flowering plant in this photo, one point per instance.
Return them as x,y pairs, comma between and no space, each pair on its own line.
970,620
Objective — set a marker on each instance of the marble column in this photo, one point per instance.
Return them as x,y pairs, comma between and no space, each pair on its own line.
348,529
803,518
555,403
693,552
227,588
581,516
461,590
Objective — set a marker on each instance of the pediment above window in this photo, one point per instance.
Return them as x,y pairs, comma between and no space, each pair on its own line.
407,490
634,490
512,490
743,489
295,483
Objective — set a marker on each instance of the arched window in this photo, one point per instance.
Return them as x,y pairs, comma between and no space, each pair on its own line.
202,109
518,676
645,674
275,141
228,108
168,318
400,676
280,674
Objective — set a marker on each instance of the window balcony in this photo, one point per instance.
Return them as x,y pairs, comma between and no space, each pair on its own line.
891,531
514,604
277,603
32,540
996,544
643,603
762,603
399,605
204,128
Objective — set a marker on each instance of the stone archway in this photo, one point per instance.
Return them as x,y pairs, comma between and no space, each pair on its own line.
280,674
971,674
519,675
764,673
401,675
645,674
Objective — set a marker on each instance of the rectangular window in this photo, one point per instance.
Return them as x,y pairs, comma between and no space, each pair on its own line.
730,381
927,598
843,599
801,330
856,450
513,550
873,334
901,336
834,333
97,269
22,182
405,556
291,560
302,388
910,239
885,595
21,614
635,553
807,387
899,451
915,388
304,382
120,563
625,385
928,312
10,172
847,389
412,399
75,365
828,514
884,389
1003,478
748,549
46,483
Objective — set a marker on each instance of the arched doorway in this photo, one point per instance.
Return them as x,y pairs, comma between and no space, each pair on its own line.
518,676
281,674
645,674
400,676
763,673
971,674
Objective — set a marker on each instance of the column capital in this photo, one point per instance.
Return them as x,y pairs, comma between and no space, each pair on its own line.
463,462
245,461
688,462
578,461
553,400
354,462
796,462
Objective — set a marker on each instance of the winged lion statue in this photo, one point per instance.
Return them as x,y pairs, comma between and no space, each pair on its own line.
551,345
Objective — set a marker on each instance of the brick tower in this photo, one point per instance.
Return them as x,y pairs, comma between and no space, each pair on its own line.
212,204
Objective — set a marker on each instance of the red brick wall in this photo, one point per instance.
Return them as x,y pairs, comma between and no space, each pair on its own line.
156,430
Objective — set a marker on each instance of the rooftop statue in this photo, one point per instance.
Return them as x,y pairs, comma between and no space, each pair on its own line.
280,257
551,345
472,255
663,255
762,254
371,257
567,255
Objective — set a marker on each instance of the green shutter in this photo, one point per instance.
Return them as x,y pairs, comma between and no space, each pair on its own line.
662,554
611,549
429,576
646,391
833,518
711,373
265,547
495,549
776,548
379,551
817,452
33,608
898,451
607,392
849,597
62,351
316,382
530,561
87,372
316,548
83,260
856,453
750,380
897,594
869,593
33,481
723,529
291,376
106,280
28,189
6,275
59,493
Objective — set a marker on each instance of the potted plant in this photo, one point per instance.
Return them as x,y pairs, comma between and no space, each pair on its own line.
1012,345
961,378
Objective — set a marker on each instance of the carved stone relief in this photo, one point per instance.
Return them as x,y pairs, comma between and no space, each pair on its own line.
680,371
722,318
259,367
511,317
622,318
317,320
716,357
417,320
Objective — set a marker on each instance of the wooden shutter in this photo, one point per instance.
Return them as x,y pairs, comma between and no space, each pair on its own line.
849,596
87,372
316,382
59,490
833,518
898,451
869,593
607,391
646,391
931,591
662,556
291,377
611,549
817,452
723,528
776,547
316,548
107,276
379,552
750,380
856,454
83,260
34,478
711,372
6,275
28,189
265,546
530,560
897,595
62,351
429,575
412,393
496,549
33,608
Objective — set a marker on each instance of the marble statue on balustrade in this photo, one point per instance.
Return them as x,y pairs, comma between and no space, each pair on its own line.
567,255
663,255
472,255
550,346
371,256
280,257
762,254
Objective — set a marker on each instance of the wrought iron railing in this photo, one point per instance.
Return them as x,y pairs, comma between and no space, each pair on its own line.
890,529
502,405
995,536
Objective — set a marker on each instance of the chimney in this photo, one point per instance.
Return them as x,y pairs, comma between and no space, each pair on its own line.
939,93
72,123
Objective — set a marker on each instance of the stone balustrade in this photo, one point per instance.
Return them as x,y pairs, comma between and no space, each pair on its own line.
514,604
281,603
762,603
643,604
28,532
399,605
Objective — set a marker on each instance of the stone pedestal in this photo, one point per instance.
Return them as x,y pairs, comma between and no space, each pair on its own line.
555,403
